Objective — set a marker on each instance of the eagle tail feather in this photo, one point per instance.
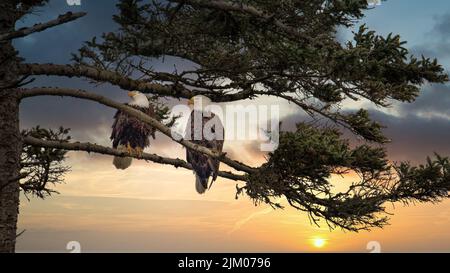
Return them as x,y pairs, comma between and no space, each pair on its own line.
122,163
201,184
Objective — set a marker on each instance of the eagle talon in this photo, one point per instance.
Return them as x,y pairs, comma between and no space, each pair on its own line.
129,149
139,151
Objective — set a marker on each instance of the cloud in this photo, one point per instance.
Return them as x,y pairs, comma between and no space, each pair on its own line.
413,136
442,25
434,100
238,225
437,43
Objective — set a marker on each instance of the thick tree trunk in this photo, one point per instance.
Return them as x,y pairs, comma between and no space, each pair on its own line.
10,147
10,139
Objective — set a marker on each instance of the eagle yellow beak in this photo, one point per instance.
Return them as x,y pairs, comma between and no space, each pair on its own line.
191,101
131,94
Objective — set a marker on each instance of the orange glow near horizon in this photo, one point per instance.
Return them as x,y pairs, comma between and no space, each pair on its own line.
157,209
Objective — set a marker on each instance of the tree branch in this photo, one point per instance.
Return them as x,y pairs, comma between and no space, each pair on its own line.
95,148
102,76
62,19
24,93
176,91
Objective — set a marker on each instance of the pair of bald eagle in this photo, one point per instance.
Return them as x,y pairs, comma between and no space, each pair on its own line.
131,134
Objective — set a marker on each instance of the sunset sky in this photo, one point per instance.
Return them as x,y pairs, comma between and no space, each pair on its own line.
152,208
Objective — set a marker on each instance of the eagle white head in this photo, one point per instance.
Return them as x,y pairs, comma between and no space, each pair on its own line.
138,99
199,103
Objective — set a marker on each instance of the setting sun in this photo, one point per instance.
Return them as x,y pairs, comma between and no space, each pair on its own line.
319,242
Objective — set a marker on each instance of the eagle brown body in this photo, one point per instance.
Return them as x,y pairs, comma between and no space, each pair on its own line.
128,130
205,166
129,133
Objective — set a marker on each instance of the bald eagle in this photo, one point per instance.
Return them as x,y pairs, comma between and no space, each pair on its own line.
204,128
129,133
